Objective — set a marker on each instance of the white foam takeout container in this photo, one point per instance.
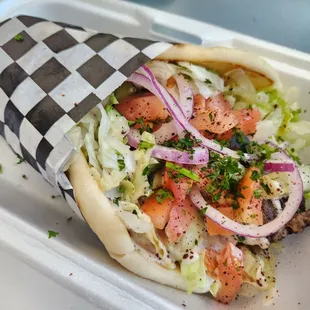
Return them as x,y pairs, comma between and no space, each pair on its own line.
76,259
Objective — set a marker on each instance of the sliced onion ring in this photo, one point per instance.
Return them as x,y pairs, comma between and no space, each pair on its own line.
199,156
254,231
279,166
186,96
148,81
166,132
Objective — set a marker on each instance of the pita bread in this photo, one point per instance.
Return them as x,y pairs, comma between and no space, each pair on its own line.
223,60
96,208
100,216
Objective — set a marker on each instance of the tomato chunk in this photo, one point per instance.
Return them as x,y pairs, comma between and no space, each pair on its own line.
227,267
181,216
215,229
146,106
179,186
158,212
247,120
250,208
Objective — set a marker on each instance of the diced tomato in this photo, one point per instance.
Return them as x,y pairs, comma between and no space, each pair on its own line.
230,273
158,212
227,267
215,229
213,114
247,119
203,172
145,106
171,82
178,186
215,121
211,262
218,103
181,216
250,208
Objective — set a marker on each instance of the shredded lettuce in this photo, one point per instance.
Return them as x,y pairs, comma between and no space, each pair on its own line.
269,127
258,273
140,223
139,180
193,272
215,287
193,239
241,86
298,134
133,217
207,82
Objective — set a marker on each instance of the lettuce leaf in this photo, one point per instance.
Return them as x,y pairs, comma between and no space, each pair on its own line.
206,81
140,223
194,273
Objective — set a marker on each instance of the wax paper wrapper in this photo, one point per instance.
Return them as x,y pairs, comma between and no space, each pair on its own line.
52,74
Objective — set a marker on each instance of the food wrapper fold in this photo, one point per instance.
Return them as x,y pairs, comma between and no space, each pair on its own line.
52,74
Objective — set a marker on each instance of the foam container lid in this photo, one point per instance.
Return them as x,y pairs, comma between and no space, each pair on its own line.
27,209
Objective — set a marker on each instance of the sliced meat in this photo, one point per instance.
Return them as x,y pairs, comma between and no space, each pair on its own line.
296,225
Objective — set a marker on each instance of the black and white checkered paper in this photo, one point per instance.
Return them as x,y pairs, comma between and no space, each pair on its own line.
51,78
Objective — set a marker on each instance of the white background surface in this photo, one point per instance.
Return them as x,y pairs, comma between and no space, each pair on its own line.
22,287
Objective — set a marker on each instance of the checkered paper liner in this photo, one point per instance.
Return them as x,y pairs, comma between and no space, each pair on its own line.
52,74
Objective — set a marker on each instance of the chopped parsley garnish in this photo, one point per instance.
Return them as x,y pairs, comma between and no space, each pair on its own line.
196,242
55,196
266,188
184,144
121,164
241,239
131,123
292,153
175,176
19,38
211,116
257,193
144,145
20,159
151,168
52,234
296,115
255,175
25,177
225,176
121,189
210,188
116,200
188,98
204,210
216,197
181,170
235,205
183,212
307,195
163,194
207,81
144,127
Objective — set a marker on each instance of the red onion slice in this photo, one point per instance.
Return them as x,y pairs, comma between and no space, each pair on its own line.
169,130
254,231
199,156
148,81
166,132
279,167
186,96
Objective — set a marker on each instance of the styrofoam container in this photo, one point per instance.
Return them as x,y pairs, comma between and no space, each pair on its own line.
76,259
